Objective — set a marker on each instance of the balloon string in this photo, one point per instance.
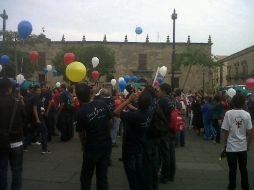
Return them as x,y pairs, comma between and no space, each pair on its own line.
21,68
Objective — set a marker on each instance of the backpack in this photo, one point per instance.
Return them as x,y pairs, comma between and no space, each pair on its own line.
159,123
176,121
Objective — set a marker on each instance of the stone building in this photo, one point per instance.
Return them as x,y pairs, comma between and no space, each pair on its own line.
240,66
136,58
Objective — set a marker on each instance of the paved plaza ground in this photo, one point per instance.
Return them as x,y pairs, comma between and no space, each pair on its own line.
198,167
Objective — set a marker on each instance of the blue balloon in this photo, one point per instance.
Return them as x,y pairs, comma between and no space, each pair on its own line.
138,30
45,70
127,78
122,85
24,28
134,79
160,80
5,59
54,72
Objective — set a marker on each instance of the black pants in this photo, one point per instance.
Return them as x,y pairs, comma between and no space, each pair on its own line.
151,162
167,158
217,127
241,158
95,158
134,169
65,125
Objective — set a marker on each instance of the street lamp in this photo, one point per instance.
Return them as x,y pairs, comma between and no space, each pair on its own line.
174,17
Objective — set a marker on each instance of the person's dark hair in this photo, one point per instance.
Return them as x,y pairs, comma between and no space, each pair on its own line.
208,99
151,90
217,98
166,88
5,84
238,101
129,88
144,100
36,87
70,89
83,92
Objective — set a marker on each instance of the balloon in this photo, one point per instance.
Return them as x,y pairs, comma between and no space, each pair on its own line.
134,79
156,84
138,30
117,103
75,71
113,82
49,67
54,72
231,92
95,61
125,92
5,59
58,84
20,79
122,85
120,79
45,70
127,78
95,75
69,58
249,83
160,80
34,56
163,71
1,68
24,29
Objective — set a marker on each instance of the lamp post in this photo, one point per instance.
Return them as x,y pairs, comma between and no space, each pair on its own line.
173,17
4,16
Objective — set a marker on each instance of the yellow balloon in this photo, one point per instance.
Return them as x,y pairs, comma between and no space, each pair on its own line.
75,71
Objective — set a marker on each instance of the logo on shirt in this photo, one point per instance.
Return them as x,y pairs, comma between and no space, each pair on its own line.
238,121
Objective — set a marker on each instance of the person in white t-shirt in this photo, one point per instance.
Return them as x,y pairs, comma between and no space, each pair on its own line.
237,129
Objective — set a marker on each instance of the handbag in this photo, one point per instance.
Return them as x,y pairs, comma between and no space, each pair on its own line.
5,136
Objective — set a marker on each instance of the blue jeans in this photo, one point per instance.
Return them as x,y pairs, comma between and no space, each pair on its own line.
95,158
180,138
15,158
42,129
208,129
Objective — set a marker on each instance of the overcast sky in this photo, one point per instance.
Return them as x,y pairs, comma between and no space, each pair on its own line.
229,22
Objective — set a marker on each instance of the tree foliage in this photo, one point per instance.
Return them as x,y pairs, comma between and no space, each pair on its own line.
85,55
24,64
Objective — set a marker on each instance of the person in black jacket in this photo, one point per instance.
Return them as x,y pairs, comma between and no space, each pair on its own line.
11,134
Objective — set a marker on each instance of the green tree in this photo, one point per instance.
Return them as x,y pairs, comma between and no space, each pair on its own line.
194,56
85,55
23,64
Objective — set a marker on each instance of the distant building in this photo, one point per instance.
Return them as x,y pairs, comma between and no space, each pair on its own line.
240,66
136,58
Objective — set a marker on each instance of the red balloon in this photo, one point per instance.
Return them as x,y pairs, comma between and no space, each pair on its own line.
95,75
69,58
34,56
156,84
249,83
118,102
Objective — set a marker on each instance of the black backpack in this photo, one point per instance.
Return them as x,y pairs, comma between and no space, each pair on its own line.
159,123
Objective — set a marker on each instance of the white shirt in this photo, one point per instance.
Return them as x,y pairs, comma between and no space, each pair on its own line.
237,122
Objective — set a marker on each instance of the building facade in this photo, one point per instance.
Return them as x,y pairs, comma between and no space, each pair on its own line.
240,66
135,58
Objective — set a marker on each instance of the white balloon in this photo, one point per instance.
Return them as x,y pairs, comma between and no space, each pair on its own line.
1,68
20,79
163,71
125,92
49,67
58,84
231,92
113,82
95,61
121,78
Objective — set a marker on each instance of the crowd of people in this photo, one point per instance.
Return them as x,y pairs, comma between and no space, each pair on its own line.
142,117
